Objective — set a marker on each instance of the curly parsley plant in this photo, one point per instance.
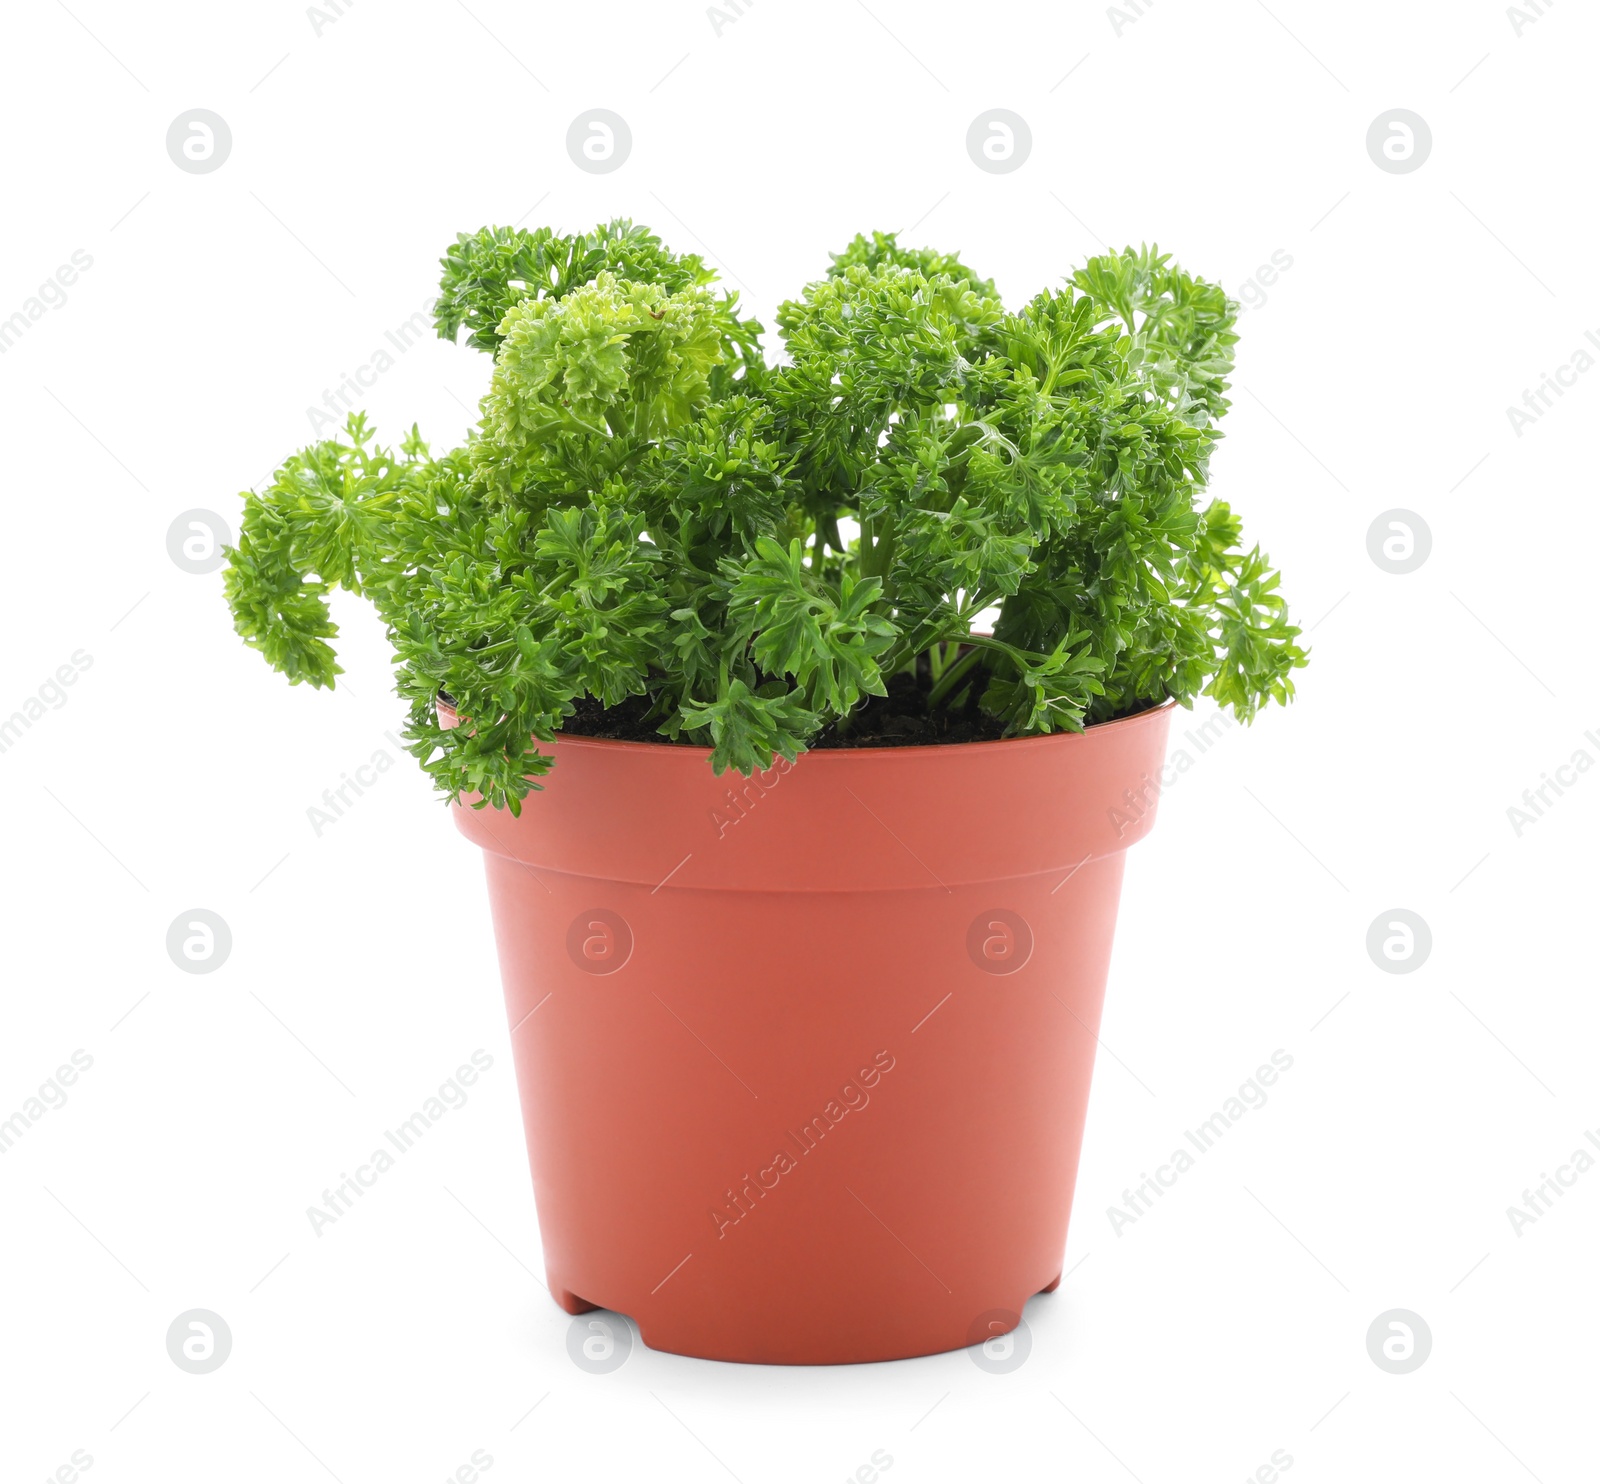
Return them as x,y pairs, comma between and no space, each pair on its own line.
648,513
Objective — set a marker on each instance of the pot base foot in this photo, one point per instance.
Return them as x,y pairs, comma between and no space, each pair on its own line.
1052,1285
570,1301
711,1342
776,1353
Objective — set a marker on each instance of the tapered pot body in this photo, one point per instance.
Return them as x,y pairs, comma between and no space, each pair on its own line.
804,1059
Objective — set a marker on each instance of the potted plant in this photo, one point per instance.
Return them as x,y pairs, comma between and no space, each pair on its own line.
804,943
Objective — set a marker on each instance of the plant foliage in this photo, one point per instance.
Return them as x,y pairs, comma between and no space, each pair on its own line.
648,509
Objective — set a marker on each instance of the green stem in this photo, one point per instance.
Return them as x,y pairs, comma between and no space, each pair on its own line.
953,676
936,629
957,672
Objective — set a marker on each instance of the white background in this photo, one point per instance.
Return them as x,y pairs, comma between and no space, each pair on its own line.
1228,1323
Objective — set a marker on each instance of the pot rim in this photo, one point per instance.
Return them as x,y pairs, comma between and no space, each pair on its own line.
689,749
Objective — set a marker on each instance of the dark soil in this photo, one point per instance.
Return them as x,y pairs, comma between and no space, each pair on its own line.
902,719
899,719
623,723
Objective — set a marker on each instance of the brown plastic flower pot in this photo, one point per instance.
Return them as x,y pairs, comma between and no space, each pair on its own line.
804,1058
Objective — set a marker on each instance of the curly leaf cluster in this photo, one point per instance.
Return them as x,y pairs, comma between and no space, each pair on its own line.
648,510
